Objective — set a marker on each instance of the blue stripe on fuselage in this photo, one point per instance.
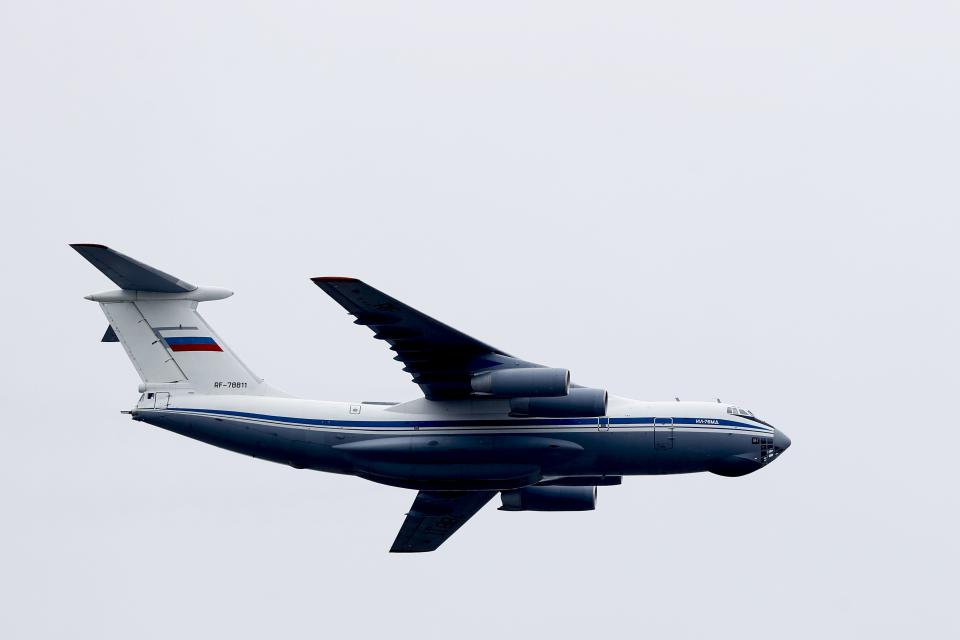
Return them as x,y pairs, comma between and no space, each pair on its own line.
189,340
516,422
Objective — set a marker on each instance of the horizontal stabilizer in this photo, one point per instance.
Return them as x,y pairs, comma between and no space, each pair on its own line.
154,316
109,335
131,274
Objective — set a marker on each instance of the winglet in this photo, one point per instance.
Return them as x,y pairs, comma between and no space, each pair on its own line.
320,279
131,274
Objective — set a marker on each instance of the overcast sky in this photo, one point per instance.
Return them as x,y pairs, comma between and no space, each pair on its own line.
747,200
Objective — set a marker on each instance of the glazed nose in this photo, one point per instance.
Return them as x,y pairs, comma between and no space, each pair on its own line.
781,442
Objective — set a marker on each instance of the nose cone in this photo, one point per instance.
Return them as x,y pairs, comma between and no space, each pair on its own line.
781,442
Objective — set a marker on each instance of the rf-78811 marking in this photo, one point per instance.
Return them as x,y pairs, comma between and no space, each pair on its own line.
230,385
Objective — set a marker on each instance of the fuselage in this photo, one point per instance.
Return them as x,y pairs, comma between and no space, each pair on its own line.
488,421
471,444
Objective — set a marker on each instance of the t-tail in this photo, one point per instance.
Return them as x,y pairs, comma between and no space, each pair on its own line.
154,316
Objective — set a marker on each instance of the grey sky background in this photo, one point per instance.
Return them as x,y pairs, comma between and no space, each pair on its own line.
745,200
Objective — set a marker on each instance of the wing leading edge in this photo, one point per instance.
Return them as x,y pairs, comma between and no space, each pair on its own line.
435,516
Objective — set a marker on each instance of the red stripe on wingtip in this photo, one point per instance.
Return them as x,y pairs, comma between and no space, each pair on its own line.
334,279
195,347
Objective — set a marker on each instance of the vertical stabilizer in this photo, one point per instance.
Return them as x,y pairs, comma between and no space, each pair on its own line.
154,316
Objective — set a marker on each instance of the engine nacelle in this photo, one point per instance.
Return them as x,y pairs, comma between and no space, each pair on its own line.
530,382
550,499
579,403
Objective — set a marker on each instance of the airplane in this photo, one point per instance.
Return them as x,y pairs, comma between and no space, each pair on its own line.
488,422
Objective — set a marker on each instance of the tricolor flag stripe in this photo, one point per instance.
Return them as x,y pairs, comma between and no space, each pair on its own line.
192,343
195,347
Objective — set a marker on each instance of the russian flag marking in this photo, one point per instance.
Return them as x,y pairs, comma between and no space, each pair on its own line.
192,344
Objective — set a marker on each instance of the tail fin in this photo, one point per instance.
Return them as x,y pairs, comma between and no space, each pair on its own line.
154,315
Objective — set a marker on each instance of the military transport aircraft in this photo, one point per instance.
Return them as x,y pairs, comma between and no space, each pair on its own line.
488,422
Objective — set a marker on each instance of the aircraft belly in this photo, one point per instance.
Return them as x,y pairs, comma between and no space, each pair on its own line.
432,449
491,476
470,460
457,461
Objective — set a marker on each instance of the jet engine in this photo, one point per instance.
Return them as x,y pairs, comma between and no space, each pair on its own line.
530,382
578,403
549,499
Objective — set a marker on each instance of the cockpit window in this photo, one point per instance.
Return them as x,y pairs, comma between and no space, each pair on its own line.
745,413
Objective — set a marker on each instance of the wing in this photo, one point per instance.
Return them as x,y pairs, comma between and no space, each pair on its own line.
441,359
435,516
